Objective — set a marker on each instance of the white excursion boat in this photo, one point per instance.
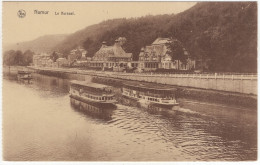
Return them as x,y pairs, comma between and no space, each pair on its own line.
91,92
146,93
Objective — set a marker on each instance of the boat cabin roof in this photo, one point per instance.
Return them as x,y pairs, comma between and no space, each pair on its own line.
23,72
146,86
89,84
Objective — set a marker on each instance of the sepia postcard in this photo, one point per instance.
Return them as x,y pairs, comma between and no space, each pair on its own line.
129,81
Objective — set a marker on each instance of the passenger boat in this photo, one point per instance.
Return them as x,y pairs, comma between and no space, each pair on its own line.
91,92
150,108
92,109
146,93
24,75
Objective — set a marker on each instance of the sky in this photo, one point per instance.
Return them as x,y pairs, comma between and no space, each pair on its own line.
16,29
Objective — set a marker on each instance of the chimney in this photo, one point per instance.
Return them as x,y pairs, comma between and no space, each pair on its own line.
104,44
117,42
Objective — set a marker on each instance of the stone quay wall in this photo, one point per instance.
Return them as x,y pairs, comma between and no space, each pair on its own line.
229,83
244,84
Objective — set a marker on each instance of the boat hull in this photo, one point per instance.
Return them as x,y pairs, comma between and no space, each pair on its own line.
97,102
90,109
150,102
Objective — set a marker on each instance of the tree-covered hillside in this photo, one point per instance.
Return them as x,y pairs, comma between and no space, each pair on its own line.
222,33
41,44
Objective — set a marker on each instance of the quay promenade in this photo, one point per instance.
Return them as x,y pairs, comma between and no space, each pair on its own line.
239,83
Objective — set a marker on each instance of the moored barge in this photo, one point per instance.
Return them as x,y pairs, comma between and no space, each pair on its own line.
24,75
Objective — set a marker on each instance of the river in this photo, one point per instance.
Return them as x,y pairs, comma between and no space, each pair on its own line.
40,124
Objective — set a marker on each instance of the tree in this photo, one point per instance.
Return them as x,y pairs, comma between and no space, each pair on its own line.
54,56
176,51
87,43
8,57
18,57
27,57
12,57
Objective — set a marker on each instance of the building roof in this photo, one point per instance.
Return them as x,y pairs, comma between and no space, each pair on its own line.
158,47
42,55
157,50
161,41
112,51
148,86
89,84
61,59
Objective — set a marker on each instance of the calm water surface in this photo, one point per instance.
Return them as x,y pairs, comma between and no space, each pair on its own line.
39,123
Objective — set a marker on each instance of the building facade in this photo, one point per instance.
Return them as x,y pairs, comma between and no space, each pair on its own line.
156,56
61,62
42,60
76,54
111,57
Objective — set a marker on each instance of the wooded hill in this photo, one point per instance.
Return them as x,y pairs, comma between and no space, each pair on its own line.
222,33
41,44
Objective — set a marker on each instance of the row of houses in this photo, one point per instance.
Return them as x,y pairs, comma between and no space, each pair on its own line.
46,60
57,60
151,57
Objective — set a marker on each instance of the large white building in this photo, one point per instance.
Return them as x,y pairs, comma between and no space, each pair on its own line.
156,56
111,56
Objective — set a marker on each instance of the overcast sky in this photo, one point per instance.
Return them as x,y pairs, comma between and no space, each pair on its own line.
30,27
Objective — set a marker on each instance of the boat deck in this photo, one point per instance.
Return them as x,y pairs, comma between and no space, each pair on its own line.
89,84
157,87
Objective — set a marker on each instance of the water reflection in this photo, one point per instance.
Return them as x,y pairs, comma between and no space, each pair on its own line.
51,84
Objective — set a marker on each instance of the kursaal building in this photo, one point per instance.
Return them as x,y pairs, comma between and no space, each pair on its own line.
151,57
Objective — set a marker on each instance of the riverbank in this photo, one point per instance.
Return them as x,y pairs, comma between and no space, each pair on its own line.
214,96
197,94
